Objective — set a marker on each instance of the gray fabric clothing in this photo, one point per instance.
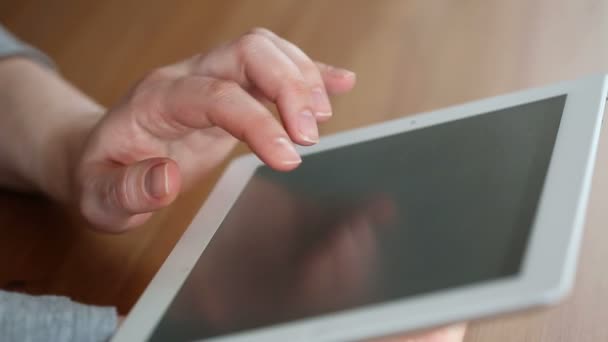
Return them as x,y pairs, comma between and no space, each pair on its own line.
53,319
11,46
26,318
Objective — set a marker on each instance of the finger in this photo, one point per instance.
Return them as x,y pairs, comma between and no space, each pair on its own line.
337,80
321,105
336,273
253,61
354,254
380,209
201,102
121,197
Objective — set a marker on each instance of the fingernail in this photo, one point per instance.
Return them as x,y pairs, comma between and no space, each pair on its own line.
157,181
342,73
321,103
307,126
287,152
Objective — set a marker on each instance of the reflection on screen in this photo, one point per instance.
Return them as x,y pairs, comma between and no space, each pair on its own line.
416,212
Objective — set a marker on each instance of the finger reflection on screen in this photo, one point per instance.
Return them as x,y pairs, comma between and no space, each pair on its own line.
285,256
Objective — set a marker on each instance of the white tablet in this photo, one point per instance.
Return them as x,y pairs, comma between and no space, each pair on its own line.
446,216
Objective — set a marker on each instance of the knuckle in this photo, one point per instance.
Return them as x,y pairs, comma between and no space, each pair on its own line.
198,59
310,71
220,90
256,124
299,87
117,193
157,75
97,203
260,30
145,92
249,42
183,85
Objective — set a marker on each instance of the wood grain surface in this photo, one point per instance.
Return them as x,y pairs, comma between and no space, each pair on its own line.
410,56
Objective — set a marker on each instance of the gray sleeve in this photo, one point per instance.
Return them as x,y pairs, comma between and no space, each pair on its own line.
10,46
53,319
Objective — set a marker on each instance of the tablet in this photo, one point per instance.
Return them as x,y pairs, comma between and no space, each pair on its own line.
445,216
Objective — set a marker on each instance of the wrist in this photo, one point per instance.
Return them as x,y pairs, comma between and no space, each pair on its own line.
45,122
58,161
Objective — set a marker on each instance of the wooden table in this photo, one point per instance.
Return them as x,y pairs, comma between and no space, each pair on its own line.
410,56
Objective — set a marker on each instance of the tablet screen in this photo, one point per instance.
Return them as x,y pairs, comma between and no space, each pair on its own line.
392,218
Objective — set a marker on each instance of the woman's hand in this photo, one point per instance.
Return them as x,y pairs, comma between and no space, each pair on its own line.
172,128
182,120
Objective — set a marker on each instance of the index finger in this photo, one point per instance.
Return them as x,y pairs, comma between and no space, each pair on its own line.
255,62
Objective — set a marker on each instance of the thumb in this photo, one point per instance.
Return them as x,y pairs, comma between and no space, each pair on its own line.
125,196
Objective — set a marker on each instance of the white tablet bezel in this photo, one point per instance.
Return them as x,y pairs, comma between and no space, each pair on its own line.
548,267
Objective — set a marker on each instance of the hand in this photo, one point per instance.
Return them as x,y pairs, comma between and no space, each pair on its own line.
286,259
175,125
182,120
